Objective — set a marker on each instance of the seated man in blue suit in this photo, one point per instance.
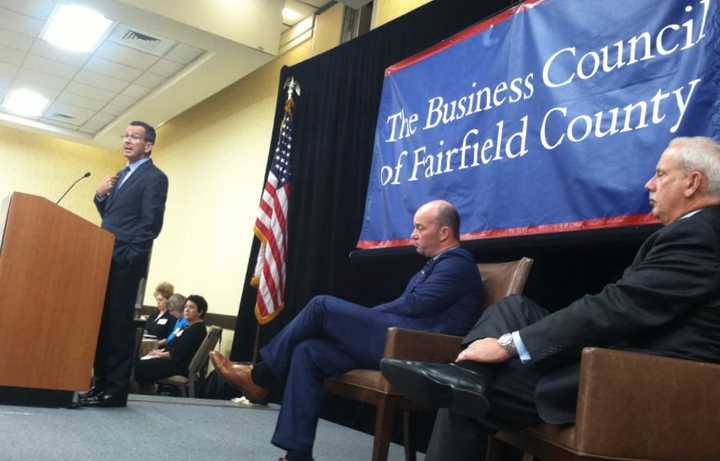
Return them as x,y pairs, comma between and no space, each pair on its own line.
521,363
331,336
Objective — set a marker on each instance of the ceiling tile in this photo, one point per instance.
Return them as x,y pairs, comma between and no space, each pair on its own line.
112,69
40,9
100,81
136,91
184,54
57,110
114,109
96,123
88,91
39,64
80,101
125,55
8,71
150,81
42,80
15,40
20,23
60,123
123,100
11,56
166,68
46,50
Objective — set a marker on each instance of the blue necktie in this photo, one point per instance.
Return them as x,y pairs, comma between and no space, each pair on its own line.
121,175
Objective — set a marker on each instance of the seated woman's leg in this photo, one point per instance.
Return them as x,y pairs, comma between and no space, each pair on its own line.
149,371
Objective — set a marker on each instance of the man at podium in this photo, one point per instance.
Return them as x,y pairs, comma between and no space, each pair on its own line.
131,204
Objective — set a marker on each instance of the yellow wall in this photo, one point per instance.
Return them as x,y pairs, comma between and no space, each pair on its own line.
387,10
44,165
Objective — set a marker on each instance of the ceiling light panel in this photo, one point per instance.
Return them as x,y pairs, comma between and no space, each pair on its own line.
25,102
75,28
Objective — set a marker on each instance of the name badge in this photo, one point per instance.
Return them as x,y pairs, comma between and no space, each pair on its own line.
162,321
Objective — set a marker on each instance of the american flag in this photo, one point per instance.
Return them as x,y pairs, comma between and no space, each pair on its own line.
271,224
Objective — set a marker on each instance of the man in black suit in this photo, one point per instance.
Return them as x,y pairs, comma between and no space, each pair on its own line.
132,205
520,366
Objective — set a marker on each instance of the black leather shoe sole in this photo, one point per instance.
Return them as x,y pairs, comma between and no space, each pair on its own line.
427,387
415,384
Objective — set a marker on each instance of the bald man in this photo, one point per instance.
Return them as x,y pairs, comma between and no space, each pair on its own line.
331,336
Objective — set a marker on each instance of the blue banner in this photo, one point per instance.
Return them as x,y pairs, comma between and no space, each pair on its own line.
546,118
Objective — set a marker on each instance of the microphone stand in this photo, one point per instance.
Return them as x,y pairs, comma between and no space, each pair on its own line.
86,175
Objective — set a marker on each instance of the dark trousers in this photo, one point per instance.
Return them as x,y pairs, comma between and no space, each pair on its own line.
116,342
151,370
510,389
328,337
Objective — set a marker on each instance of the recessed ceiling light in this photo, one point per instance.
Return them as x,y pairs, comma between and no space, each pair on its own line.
290,15
75,28
26,103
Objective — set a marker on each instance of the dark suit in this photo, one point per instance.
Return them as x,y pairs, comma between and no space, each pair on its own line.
667,303
134,213
330,336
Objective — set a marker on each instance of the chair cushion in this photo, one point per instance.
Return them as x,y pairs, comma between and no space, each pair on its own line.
368,379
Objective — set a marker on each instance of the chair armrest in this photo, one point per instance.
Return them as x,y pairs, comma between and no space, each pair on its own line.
421,345
647,407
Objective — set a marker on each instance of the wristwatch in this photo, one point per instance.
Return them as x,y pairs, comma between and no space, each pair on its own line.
506,342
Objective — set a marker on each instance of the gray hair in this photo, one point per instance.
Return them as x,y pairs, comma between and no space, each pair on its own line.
177,302
701,154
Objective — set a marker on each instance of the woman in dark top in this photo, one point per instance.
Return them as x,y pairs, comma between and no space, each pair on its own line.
176,358
161,324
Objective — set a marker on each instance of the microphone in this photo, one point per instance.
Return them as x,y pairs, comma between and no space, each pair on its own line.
86,175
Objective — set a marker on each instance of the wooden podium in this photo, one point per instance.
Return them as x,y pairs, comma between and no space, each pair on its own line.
54,268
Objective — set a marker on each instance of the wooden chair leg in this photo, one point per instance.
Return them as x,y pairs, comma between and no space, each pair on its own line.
383,428
409,436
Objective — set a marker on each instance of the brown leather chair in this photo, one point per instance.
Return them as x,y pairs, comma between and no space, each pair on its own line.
631,406
369,386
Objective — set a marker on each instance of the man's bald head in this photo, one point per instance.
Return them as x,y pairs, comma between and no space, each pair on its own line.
436,228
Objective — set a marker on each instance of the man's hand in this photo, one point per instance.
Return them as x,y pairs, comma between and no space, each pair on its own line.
486,350
106,185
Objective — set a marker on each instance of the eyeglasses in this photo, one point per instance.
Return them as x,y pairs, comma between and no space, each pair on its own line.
132,137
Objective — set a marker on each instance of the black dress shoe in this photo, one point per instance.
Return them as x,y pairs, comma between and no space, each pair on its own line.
438,385
91,394
105,401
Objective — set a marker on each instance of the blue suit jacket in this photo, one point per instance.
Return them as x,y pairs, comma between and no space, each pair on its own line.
445,296
134,212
